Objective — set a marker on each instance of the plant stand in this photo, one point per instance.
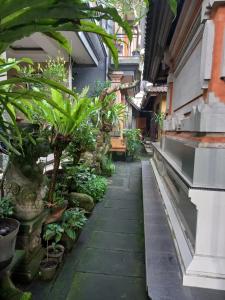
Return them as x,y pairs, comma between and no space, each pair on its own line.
29,240
7,287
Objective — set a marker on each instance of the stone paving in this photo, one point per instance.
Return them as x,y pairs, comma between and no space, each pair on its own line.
107,262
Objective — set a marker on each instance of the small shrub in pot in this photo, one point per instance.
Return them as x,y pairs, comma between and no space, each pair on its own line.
53,232
72,222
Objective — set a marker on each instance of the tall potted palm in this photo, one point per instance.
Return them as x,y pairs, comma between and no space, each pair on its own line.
76,109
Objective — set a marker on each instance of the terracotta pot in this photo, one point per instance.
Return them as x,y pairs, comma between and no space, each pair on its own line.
48,268
8,232
56,213
56,252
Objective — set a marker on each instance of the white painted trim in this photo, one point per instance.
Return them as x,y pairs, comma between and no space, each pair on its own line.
87,46
223,59
203,282
207,53
182,247
206,268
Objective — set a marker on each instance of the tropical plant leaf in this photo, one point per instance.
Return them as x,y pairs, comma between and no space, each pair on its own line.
8,144
62,41
173,6
29,16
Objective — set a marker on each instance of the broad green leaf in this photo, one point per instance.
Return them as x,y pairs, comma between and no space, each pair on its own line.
8,144
173,6
62,41
4,67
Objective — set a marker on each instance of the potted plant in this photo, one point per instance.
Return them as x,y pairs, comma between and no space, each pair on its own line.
53,232
73,220
48,268
8,231
159,119
57,207
54,252
136,52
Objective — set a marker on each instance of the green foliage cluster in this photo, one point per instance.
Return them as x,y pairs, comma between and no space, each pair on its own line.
79,174
107,166
100,86
159,118
109,114
87,182
72,220
55,69
26,296
58,199
53,232
133,141
6,207
95,187
84,139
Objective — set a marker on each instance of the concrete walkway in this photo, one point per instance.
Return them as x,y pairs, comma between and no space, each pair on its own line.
107,263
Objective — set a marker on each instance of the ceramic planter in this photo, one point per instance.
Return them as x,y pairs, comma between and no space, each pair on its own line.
56,252
48,268
8,232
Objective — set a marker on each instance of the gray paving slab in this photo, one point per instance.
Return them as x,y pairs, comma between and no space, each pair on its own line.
101,287
123,203
112,262
120,226
121,214
117,241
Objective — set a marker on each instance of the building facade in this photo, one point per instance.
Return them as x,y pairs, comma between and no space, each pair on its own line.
189,162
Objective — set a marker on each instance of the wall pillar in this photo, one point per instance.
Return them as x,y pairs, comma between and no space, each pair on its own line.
116,78
170,93
207,268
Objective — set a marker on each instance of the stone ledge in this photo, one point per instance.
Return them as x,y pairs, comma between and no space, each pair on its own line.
163,275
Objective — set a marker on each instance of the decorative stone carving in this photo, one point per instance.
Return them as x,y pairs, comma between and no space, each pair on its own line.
27,193
204,117
24,180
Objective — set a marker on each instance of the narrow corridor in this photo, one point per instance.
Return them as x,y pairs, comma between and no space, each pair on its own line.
107,263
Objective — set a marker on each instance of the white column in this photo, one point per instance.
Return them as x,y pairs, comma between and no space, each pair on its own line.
207,268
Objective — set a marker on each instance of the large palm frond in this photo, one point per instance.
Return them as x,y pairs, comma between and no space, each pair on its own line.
24,17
